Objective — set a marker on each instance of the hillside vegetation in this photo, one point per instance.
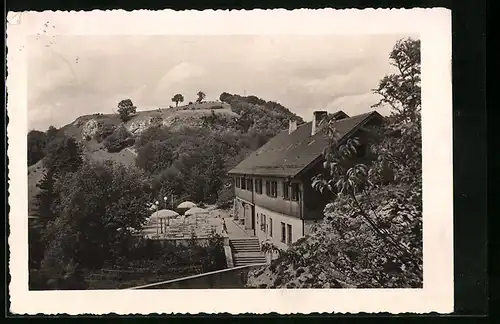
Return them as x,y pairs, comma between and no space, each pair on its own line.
93,181
105,137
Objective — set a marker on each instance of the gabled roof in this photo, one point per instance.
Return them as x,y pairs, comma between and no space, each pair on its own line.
286,155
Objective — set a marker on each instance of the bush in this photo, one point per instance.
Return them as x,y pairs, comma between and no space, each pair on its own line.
103,132
113,144
117,141
157,120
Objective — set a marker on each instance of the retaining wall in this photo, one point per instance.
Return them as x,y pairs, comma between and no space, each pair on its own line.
222,279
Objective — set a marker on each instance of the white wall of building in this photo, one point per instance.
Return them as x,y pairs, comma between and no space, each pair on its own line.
277,219
243,214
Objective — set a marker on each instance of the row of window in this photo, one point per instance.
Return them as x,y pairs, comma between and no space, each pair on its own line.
290,190
267,228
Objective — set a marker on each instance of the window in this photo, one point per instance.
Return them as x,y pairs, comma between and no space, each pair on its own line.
270,226
289,234
238,182
268,187
263,223
250,184
286,195
283,233
274,189
295,191
258,186
243,184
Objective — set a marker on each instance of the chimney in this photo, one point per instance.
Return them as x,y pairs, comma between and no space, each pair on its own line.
292,125
318,116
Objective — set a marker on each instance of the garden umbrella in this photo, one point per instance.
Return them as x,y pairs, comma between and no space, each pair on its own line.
185,206
163,214
196,211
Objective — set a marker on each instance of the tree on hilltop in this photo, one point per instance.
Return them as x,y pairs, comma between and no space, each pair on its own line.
224,97
125,109
177,98
201,96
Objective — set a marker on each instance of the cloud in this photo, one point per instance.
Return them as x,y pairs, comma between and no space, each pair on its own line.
79,75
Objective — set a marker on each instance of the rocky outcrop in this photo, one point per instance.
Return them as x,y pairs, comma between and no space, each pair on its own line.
90,128
136,127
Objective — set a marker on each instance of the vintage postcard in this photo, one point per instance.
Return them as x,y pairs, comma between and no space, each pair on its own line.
230,161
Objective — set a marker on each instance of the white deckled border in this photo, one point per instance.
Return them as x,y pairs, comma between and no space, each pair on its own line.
434,28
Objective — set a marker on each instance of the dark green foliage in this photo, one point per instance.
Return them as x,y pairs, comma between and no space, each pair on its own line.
263,117
63,154
157,119
103,132
401,91
125,109
178,98
36,145
154,133
215,121
45,198
93,210
371,235
155,156
51,133
224,97
35,243
201,96
193,163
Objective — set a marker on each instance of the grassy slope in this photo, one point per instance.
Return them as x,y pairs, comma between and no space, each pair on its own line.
177,116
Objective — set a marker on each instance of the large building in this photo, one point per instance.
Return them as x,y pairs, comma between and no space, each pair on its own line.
274,197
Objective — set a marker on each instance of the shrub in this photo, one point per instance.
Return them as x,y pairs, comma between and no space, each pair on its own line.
156,120
117,141
103,132
113,144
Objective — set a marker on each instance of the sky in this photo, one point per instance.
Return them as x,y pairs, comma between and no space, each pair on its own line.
70,76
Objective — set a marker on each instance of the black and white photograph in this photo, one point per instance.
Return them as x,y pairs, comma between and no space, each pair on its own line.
248,162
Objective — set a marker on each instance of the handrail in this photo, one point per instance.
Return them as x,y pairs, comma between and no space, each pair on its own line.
198,275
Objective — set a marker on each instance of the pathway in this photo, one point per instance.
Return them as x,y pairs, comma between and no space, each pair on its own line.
234,230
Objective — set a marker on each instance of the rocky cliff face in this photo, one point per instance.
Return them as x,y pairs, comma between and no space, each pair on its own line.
136,127
90,128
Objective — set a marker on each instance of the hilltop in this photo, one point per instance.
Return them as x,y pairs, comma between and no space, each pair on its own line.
243,117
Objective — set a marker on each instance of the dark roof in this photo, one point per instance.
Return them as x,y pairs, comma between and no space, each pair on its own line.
285,155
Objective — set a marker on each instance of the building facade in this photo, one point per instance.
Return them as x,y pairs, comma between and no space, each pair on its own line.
274,196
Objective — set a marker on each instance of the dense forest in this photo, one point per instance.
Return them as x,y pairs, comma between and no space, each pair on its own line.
88,210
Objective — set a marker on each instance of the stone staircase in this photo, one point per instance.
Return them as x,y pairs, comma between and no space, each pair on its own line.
246,251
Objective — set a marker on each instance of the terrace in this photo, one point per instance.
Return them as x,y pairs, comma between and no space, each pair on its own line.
183,227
